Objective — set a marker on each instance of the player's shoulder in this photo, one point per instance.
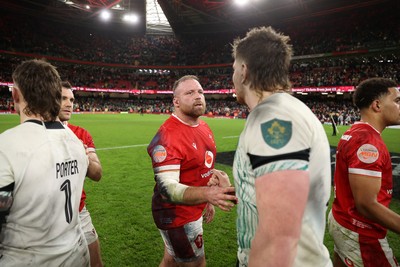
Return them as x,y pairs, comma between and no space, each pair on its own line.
363,131
76,129
18,134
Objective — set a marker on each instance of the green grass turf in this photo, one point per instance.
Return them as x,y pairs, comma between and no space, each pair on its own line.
120,204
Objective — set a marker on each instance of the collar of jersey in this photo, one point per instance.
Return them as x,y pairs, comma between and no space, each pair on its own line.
174,115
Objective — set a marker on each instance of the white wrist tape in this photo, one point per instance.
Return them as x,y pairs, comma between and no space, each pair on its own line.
168,183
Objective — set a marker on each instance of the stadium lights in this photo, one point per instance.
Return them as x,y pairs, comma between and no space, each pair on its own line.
241,2
87,7
105,15
130,18
118,7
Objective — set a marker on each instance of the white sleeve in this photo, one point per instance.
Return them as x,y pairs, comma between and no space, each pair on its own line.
168,182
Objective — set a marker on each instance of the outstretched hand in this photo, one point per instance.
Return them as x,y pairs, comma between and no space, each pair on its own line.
219,178
223,198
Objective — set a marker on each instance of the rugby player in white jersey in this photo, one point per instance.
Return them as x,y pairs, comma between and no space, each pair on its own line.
42,169
282,163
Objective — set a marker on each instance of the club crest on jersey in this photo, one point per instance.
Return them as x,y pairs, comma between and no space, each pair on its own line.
368,153
276,133
159,154
199,241
209,159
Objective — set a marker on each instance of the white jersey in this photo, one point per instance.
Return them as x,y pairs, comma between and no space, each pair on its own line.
282,133
47,164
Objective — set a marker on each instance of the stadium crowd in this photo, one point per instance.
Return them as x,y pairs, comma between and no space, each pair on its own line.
90,57
93,58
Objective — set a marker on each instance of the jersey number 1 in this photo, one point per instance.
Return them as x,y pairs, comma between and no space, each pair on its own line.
66,187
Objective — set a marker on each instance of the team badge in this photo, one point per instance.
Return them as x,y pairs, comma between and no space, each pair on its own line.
159,154
276,133
368,153
209,159
349,262
199,241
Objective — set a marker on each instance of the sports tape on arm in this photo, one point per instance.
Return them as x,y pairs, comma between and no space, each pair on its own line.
170,187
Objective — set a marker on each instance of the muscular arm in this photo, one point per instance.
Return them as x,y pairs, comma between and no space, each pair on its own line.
174,191
215,195
365,191
95,171
281,200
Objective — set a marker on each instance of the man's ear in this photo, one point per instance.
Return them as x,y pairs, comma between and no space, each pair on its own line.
376,105
175,101
15,94
244,73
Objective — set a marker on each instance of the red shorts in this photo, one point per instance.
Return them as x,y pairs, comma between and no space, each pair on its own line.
185,243
360,251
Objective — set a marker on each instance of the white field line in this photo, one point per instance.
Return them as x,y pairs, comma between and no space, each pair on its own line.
120,147
140,145
233,136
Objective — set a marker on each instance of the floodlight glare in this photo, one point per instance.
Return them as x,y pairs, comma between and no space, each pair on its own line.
131,18
241,2
105,15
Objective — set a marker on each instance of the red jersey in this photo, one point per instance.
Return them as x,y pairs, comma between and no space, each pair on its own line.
192,151
361,150
86,139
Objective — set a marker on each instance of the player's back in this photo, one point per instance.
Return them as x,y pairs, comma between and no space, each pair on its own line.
48,165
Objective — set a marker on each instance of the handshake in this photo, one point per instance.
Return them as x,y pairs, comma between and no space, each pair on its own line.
221,179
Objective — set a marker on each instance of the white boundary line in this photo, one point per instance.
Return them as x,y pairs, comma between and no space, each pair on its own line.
233,136
140,145
119,147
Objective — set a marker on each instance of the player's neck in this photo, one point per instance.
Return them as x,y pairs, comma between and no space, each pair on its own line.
24,117
374,122
253,99
186,119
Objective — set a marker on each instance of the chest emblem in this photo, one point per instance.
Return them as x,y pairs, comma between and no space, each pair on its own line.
276,133
209,159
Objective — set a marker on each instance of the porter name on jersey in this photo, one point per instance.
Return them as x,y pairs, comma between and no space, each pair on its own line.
66,168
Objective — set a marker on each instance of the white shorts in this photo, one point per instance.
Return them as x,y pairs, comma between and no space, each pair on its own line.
185,243
360,251
87,226
77,256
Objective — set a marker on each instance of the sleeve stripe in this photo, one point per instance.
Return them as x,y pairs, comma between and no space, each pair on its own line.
365,172
167,168
257,161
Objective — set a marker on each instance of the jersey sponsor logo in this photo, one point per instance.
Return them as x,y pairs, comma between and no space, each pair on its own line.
159,154
209,159
360,224
346,137
368,153
66,168
204,175
276,133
